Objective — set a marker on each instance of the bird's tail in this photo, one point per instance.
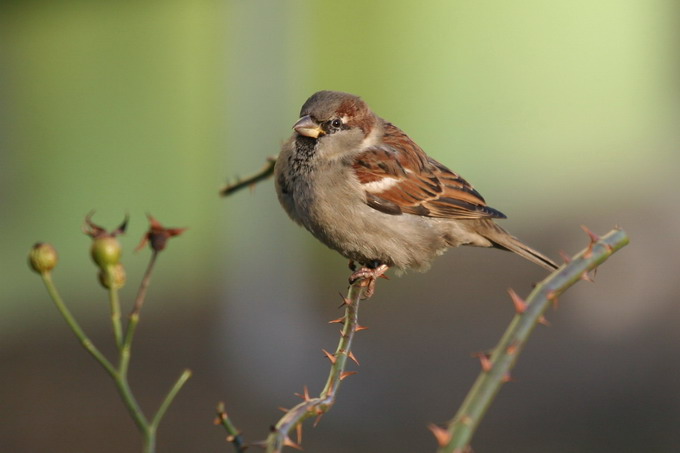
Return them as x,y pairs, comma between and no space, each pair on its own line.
503,240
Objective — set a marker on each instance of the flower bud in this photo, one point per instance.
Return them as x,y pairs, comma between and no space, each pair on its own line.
113,276
105,251
42,258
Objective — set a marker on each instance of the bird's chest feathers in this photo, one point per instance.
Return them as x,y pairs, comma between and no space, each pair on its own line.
326,195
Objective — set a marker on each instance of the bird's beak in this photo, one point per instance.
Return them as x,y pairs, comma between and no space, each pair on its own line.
308,127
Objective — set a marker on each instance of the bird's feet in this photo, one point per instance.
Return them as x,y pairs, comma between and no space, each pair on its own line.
368,276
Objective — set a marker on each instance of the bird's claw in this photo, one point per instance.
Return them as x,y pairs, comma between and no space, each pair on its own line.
368,276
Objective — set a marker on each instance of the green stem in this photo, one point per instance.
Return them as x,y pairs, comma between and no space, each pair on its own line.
75,327
463,426
114,304
183,378
131,403
234,435
149,440
124,344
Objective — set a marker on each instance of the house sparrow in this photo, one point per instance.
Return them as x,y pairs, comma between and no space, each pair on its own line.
365,189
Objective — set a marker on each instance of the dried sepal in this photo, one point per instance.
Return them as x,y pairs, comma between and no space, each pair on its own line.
157,236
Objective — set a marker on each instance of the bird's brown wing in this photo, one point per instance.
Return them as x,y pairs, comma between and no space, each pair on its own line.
399,177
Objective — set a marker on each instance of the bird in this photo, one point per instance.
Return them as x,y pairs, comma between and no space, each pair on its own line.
364,188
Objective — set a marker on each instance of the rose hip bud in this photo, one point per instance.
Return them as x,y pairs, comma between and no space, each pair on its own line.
112,277
106,251
43,257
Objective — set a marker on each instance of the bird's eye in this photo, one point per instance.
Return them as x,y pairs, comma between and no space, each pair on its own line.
336,123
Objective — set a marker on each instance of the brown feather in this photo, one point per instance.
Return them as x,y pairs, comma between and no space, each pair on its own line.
416,183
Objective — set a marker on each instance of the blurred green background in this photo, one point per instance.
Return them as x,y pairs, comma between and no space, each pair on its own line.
560,113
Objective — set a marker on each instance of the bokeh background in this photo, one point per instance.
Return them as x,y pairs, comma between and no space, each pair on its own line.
561,113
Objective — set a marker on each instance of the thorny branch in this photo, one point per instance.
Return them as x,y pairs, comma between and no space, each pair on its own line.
496,367
249,181
311,406
456,436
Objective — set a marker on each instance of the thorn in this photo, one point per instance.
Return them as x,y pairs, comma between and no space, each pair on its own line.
318,419
507,378
218,420
586,276
360,328
298,430
565,257
443,436
485,361
384,276
552,297
512,349
330,356
351,356
259,444
289,443
543,321
283,409
520,305
593,237
340,320
589,251
466,420
304,395
345,301
345,374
